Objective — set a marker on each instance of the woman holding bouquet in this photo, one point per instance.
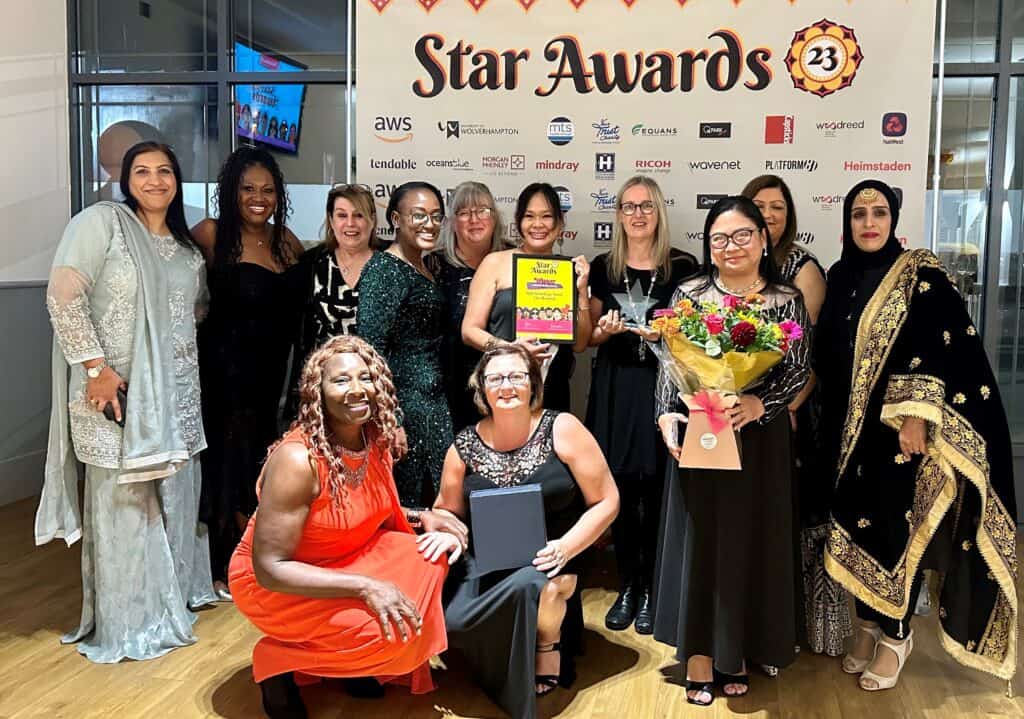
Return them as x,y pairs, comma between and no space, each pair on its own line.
724,581
918,437
622,386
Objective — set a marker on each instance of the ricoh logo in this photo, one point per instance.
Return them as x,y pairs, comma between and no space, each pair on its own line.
791,165
646,166
392,128
605,132
602,233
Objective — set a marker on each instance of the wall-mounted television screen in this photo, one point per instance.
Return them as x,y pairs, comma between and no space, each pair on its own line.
270,114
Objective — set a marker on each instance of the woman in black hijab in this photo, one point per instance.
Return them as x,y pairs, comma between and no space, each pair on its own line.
916,432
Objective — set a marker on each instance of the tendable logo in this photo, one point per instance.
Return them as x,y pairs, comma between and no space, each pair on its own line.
823,58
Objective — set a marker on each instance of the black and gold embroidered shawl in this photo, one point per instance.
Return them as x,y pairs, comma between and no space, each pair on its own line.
917,354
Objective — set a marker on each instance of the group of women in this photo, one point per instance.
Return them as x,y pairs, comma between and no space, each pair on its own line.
876,447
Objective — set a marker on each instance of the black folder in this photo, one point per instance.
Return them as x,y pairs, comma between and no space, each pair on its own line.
508,527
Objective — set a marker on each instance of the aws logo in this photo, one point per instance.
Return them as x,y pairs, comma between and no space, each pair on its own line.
392,128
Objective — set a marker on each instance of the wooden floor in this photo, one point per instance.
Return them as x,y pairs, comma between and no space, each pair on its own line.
622,674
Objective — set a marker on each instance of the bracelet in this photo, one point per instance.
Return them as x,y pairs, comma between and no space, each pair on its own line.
412,516
582,309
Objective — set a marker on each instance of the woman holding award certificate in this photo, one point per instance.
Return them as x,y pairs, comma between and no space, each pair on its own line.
491,308
509,623
724,580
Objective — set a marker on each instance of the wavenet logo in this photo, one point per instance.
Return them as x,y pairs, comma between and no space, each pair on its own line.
392,128
715,165
778,129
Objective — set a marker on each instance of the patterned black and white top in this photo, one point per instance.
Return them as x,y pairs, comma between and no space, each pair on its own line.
334,302
782,383
795,261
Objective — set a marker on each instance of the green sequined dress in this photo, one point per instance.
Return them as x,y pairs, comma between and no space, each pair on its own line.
400,314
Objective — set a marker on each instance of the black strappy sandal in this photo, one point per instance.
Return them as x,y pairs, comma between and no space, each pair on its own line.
701,688
550,682
742,680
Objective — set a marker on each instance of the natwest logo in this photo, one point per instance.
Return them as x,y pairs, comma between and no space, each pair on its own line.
715,165
605,132
712,130
392,128
404,164
653,165
778,130
642,130
894,127
854,166
791,165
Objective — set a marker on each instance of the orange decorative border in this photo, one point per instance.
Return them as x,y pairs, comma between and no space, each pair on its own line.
381,5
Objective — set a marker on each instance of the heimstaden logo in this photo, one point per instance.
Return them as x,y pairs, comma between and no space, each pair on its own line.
604,201
791,165
392,128
855,166
715,165
602,233
561,131
778,129
605,132
455,129
642,130
604,165
836,128
894,127
564,197
706,202
715,130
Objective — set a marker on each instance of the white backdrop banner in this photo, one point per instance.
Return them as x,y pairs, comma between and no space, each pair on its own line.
702,95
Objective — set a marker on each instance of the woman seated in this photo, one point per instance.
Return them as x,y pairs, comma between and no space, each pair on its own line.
508,623
328,567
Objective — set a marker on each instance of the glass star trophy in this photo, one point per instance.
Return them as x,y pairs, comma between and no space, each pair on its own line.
633,307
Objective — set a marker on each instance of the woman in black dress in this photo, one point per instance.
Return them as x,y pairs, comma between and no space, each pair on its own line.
399,314
725,580
244,342
490,310
916,432
509,623
332,271
474,230
825,611
622,387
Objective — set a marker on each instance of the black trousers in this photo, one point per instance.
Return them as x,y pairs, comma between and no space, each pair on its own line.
635,530
892,627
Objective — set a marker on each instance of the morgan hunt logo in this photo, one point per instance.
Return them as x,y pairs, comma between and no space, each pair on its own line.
561,131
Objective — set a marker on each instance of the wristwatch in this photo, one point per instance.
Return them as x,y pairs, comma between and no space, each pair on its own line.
95,371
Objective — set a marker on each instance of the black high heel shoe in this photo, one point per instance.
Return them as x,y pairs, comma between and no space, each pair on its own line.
742,680
549,682
700,688
281,698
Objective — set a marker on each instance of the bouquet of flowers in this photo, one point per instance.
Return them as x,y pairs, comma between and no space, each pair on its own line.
712,352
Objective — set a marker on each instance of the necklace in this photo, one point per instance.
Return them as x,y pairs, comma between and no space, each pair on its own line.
346,269
742,292
354,477
421,268
641,351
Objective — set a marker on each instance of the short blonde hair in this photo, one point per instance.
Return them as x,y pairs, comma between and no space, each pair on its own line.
361,198
476,380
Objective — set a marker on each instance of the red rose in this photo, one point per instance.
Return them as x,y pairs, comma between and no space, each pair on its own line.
743,334
714,323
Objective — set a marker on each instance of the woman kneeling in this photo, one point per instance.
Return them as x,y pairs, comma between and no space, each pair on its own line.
328,567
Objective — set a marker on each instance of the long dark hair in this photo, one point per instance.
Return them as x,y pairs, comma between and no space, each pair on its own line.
402,190
176,210
766,182
746,207
228,244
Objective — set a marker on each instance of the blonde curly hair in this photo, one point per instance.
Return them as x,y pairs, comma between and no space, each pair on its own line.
310,420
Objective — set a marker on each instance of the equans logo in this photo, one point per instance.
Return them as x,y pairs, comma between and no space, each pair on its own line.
653,165
834,128
605,132
894,127
778,130
604,201
564,197
604,165
392,164
456,165
503,163
602,233
791,165
642,130
392,128
456,129
706,202
716,166
713,130
561,131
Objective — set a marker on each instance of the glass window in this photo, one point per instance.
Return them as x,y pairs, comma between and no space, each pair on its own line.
145,36
310,152
963,197
1010,285
307,33
971,30
112,118
1017,25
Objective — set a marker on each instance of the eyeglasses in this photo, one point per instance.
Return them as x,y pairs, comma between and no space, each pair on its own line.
421,218
352,186
630,208
740,238
481,213
516,379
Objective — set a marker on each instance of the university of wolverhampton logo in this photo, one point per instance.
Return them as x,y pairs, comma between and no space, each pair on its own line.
823,58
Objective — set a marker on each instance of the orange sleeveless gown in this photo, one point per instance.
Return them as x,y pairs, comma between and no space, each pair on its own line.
341,637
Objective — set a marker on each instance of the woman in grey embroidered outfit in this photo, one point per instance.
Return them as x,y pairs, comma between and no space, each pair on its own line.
123,297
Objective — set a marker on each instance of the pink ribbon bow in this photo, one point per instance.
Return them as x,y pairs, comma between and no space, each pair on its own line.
710,403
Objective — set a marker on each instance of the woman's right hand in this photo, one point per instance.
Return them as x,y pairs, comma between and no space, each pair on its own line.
611,323
538,349
103,391
668,424
390,606
647,333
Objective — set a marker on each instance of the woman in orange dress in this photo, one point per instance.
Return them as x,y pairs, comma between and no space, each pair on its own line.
329,568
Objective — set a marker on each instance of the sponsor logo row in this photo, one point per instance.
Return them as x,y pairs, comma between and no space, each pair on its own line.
561,130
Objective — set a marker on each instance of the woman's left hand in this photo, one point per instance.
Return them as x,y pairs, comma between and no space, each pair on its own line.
748,409
399,444
433,544
441,522
582,273
551,559
913,436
